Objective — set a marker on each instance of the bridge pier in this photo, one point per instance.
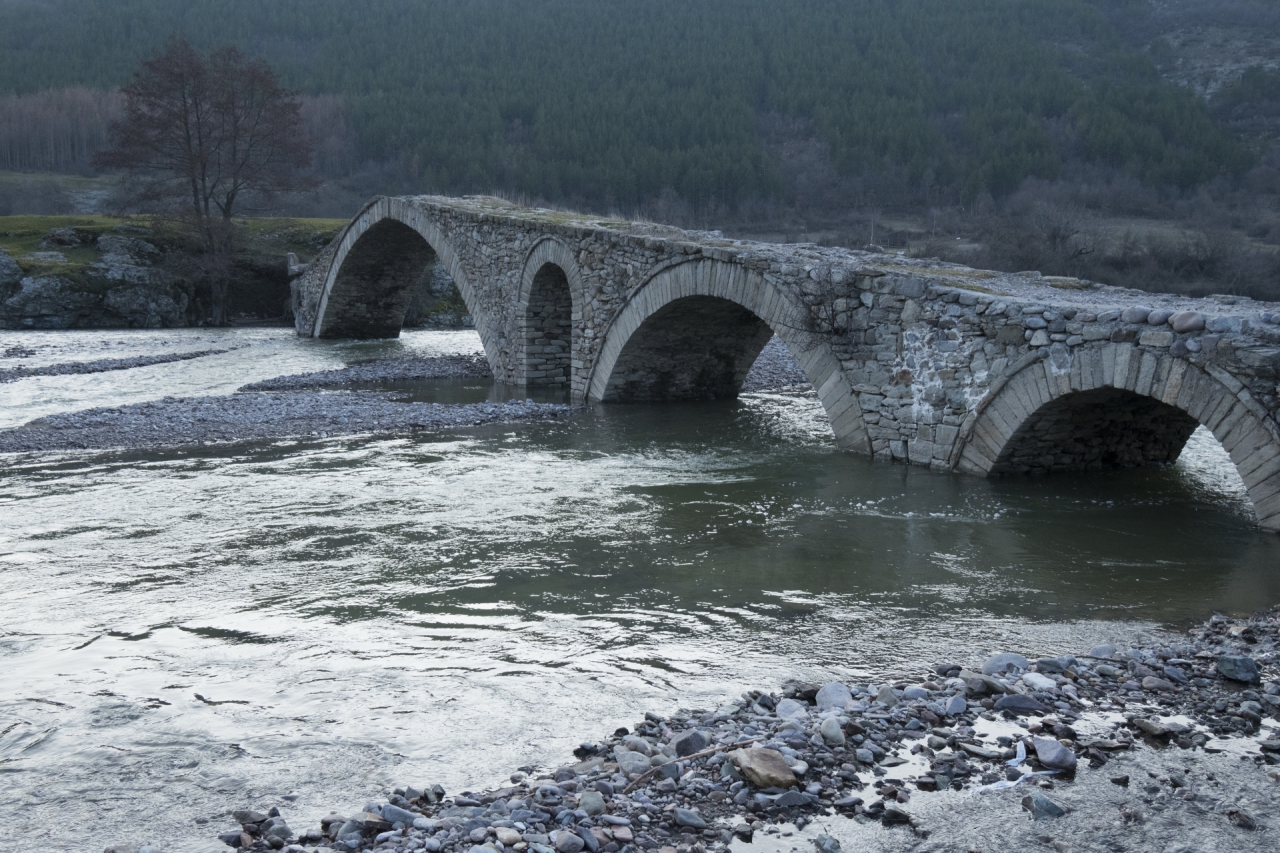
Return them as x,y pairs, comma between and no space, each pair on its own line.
915,361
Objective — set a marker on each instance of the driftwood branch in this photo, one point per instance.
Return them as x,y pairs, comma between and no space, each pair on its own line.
712,751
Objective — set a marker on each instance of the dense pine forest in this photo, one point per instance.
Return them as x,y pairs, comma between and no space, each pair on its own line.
706,110
616,101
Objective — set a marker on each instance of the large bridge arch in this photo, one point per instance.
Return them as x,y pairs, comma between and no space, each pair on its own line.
378,258
548,318
693,330
1120,406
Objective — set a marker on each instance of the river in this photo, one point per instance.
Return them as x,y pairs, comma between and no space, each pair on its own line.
191,631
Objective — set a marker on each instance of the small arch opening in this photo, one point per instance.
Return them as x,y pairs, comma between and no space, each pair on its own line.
548,345
776,369
435,301
1104,428
693,348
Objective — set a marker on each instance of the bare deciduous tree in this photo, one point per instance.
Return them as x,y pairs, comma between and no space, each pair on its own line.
200,134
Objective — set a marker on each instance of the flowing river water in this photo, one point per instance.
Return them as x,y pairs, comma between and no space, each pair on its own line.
188,631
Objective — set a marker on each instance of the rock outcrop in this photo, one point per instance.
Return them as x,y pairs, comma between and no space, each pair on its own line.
122,289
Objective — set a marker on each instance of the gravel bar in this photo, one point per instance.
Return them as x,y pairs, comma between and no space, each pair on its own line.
382,370
256,416
775,370
101,365
1169,748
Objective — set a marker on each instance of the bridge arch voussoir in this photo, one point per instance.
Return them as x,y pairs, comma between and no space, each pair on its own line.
379,256
742,304
1121,405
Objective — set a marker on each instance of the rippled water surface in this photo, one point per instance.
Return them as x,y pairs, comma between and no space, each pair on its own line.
361,613
252,355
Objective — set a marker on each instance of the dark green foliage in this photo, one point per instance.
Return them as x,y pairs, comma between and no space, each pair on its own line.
1251,105
1153,131
612,102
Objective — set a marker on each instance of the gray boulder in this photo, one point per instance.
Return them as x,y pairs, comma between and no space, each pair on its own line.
110,244
1136,314
1054,755
1020,704
145,308
1238,668
1042,807
46,302
125,259
60,238
831,731
10,272
631,762
765,768
690,742
1036,681
395,814
1187,321
591,802
637,744
826,844
568,842
1005,662
833,695
1055,664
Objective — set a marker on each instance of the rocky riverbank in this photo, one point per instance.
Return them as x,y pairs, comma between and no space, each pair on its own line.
100,365
100,272
343,401
775,369
1168,748
257,416
383,370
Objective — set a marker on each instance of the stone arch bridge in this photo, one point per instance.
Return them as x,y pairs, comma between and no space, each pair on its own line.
913,360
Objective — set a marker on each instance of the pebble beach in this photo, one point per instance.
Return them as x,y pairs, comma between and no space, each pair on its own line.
1154,748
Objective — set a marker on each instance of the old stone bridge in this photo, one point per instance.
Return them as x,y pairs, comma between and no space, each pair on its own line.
914,360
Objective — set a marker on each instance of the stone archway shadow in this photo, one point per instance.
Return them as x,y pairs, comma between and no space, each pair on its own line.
1121,406
693,330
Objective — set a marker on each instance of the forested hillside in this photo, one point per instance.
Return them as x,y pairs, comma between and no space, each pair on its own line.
717,102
